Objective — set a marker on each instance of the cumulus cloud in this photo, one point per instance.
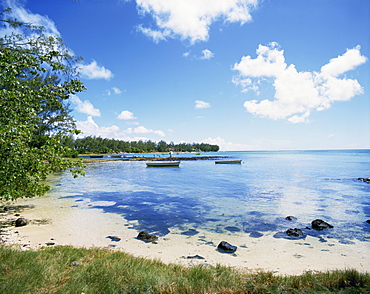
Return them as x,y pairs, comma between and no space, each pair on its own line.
297,94
94,71
91,128
191,19
207,54
126,115
84,106
199,104
144,130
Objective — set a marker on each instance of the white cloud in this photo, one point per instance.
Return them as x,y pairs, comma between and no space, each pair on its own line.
191,19
116,90
186,54
91,128
144,130
157,36
94,71
227,146
297,94
90,71
341,64
27,16
207,54
126,115
113,90
199,104
84,106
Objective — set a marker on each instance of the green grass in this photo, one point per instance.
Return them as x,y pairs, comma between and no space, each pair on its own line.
51,270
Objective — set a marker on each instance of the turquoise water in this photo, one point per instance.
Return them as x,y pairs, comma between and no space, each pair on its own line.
252,198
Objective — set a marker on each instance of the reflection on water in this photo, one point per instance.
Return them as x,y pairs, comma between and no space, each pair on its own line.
252,198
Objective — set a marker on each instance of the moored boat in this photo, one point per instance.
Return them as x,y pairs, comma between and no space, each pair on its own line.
163,164
231,161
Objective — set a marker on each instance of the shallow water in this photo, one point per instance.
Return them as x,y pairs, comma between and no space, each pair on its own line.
251,198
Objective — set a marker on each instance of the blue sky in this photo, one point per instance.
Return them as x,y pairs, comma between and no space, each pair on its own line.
243,74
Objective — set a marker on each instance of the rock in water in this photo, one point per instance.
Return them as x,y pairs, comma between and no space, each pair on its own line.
20,222
366,180
290,218
319,224
146,237
224,246
294,232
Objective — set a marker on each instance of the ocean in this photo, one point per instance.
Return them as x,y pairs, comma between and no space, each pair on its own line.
252,198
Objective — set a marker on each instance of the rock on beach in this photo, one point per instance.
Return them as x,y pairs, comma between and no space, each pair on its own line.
294,232
145,236
319,225
20,222
226,247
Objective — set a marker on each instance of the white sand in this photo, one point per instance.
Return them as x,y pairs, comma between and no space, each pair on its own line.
68,225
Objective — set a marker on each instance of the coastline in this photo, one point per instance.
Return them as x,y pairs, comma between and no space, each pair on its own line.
59,222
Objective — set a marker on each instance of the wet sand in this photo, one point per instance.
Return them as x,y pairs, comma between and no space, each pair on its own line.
59,221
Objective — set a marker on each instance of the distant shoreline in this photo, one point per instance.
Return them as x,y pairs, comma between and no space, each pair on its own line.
94,158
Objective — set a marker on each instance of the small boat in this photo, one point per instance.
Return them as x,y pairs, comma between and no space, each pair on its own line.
231,161
163,163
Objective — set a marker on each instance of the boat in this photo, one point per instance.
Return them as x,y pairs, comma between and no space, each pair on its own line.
230,161
163,163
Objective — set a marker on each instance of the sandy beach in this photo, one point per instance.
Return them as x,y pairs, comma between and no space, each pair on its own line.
54,221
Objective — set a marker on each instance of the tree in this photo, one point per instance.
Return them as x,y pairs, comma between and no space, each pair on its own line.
162,146
37,76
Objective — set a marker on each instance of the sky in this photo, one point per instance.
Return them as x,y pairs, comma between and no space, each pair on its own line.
242,74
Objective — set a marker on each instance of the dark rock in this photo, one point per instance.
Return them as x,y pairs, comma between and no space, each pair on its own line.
20,222
366,180
290,218
114,238
146,237
6,208
294,232
195,257
17,214
368,221
224,246
50,243
319,224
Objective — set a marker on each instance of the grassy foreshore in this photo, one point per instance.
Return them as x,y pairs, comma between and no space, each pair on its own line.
65,269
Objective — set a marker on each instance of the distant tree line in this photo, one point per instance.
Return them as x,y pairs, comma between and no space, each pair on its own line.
98,145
